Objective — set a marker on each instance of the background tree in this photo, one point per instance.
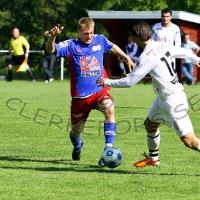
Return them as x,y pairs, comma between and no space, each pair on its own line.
34,17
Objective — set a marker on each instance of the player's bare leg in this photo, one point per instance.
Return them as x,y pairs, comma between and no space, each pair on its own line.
190,140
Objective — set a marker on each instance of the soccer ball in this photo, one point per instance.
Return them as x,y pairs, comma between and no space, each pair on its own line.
112,157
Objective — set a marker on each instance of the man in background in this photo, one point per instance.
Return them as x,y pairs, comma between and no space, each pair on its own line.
187,67
132,51
166,31
49,60
18,43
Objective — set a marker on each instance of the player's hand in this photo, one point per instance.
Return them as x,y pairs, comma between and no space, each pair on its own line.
56,30
130,64
100,81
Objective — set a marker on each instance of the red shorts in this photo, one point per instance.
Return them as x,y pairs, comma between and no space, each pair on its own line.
80,108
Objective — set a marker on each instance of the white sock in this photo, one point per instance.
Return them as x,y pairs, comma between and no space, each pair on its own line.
153,142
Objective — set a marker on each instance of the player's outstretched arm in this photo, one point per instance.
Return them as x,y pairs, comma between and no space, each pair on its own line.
180,52
56,30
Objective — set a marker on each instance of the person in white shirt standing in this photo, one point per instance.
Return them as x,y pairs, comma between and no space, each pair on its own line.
187,67
166,31
170,107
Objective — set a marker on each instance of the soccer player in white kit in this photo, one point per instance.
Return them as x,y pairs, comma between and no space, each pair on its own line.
166,31
171,106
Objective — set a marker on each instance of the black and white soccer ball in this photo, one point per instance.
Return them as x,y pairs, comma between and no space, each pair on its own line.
112,157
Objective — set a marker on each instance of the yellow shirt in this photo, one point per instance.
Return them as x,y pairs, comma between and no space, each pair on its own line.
16,44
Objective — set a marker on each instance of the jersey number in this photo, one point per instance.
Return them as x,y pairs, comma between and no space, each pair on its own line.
167,60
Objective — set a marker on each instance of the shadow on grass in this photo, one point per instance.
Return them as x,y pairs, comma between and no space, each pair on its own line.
70,165
18,159
76,166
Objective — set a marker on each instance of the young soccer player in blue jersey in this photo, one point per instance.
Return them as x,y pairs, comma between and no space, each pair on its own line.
85,56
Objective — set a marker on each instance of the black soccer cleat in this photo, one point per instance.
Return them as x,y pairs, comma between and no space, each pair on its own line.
76,155
101,163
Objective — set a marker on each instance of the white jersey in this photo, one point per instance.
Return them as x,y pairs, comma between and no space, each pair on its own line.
156,60
170,34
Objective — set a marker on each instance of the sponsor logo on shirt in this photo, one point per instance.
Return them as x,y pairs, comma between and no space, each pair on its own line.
149,52
90,66
96,48
161,39
89,63
63,44
78,115
88,74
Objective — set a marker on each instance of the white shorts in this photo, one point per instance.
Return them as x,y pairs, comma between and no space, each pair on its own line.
172,112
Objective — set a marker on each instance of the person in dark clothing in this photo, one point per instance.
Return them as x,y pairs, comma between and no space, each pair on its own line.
48,61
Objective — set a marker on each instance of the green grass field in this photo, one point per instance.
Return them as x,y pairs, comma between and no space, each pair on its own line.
35,151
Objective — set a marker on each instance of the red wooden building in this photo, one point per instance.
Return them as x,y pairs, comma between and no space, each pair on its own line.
115,23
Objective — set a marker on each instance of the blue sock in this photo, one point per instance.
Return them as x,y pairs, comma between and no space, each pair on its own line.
109,133
77,143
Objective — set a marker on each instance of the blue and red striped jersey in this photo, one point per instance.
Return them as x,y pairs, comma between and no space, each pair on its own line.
86,63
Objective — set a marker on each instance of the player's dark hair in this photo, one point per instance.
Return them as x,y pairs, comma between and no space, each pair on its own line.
85,22
166,10
140,29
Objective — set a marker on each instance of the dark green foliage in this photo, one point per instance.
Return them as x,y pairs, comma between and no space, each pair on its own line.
34,17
